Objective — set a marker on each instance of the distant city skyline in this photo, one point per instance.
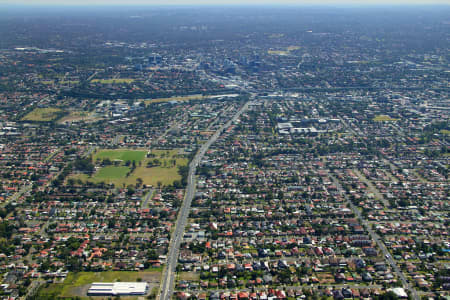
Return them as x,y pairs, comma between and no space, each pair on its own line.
224,2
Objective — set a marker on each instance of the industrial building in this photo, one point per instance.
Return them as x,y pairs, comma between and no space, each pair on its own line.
118,288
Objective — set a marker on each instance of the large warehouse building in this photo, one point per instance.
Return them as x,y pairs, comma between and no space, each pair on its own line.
118,288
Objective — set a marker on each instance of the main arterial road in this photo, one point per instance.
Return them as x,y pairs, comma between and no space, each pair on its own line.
177,236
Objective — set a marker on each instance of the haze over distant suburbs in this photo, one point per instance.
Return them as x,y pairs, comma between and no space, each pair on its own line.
228,2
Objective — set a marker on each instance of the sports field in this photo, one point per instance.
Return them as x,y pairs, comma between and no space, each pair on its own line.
76,116
112,81
283,52
111,172
43,114
121,154
161,168
384,118
277,52
177,98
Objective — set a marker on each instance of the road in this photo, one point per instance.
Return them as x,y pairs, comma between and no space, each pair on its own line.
367,226
291,287
32,289
377,240
92,76
371,188
24,189
91,149
147,198
177,236
116,140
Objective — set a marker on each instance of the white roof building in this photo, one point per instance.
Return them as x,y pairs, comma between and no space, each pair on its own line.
400,292
118,288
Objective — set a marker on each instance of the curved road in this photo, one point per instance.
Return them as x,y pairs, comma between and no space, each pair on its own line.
177,236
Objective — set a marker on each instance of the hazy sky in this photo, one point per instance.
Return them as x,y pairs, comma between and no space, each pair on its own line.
221,2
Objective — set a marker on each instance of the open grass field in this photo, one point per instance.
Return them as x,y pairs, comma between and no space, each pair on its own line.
112,81
277,52
188,276
276,35
165,173
445,131
77,284
121,154
43,114
69,82
384,118
325,278
177,98
283,52
48,82
293,48
76,116
111,172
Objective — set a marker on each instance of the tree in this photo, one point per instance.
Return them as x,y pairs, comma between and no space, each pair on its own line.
6,229
388,296
84,164
152,254
130,190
